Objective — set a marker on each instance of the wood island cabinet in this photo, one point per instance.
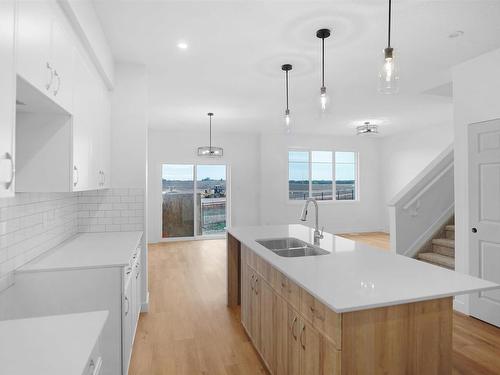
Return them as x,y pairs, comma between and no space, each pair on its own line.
296,334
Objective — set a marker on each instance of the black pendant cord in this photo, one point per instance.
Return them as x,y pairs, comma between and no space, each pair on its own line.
323,62
389,26
286,80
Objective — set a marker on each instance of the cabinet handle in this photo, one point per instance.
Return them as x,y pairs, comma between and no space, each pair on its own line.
251,281
49,83
58,82
128,306
302,334
137,266
75,171
293,328
103,178
256,282
8,183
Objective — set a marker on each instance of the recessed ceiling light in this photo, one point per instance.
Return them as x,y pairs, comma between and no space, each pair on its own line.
456,34
182,45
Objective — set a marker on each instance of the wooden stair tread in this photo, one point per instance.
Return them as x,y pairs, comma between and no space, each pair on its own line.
450,227
438,259
446,242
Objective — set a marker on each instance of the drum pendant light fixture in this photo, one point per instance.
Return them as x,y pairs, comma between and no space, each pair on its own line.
286,68
389,75
210,151
323,34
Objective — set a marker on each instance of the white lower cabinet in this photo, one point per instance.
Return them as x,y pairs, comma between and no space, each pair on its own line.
65,291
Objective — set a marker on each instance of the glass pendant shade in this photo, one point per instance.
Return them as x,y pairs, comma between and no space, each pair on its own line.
389,73
210,151
323,99
287,117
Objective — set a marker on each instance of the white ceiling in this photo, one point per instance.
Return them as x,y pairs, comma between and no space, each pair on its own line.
236,48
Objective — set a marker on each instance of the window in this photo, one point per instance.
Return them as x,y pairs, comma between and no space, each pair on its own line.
323,175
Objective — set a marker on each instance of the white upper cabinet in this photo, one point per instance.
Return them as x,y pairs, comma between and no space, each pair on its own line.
7,97
83,113
45,52
64,130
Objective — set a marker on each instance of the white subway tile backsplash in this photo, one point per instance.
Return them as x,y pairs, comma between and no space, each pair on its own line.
111,210
32,223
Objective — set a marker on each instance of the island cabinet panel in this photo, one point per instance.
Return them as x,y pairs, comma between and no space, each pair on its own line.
282,335
233,271
253,309
412,339
245,291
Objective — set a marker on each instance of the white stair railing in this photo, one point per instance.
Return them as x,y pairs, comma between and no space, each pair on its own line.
423,206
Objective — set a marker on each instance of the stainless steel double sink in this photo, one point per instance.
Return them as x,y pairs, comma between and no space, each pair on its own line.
290,247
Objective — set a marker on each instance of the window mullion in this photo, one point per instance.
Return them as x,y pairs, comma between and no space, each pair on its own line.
310,173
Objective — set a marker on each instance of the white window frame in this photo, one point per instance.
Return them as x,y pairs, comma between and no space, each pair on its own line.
334,177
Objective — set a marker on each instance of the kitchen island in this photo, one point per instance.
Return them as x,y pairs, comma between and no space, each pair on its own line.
354,310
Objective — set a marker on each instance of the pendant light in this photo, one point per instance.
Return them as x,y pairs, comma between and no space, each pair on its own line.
389,75
210,151
323,34
286,68
367,129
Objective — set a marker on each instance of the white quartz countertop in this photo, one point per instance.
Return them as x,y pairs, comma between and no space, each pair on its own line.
355,276
51,345
88,250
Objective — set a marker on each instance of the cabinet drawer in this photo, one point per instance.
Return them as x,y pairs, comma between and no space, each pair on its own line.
325,320
286,288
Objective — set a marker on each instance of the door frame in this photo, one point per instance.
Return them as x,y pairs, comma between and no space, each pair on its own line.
196,237
474,244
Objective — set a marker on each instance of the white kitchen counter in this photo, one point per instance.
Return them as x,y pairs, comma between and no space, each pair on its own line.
52,345
356,276
88,250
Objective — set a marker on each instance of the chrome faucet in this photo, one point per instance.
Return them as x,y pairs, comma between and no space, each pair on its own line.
317,234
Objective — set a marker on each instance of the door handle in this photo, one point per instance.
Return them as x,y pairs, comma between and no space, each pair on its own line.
302,335
474,230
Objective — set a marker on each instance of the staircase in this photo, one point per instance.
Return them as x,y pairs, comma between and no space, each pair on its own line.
441,249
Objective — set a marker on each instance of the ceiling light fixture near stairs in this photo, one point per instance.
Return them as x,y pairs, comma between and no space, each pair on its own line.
286,68
210,151
389,75
323,97
367,129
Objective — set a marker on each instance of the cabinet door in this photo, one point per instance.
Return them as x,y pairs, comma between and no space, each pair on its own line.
245,291
138,284
267,330
282,335
293,344
255,309
33,43
62,54
82,126
309,340
7,98
127,325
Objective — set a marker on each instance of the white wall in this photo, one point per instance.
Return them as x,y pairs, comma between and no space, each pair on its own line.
404,156
476,92
337,217
129,121
241,154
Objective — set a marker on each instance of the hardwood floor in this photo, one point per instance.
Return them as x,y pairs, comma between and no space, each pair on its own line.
189,329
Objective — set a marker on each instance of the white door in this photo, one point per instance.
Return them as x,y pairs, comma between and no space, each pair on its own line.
484,208
7,98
